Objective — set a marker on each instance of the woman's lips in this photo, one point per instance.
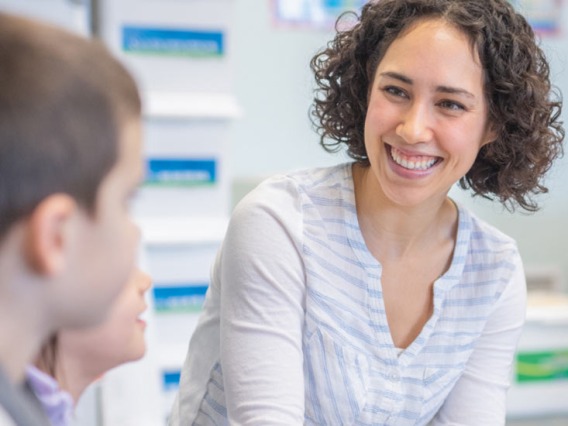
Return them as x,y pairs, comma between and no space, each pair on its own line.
413,162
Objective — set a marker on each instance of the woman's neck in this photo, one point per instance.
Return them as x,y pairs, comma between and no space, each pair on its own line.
392,231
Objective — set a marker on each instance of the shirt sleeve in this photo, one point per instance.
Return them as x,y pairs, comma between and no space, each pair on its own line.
479,396
262,309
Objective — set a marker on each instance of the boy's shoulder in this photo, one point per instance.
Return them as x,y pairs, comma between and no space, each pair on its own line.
5,419
17,408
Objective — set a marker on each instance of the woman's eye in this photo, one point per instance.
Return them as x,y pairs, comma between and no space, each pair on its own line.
395,91
452,106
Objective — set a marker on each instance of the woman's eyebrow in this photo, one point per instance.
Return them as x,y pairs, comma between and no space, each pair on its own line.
441,89
396,76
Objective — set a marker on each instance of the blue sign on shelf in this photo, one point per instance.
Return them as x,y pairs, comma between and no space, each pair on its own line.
170,379
173,42
179,298
180,172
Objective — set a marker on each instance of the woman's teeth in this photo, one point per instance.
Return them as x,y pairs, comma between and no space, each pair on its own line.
420,162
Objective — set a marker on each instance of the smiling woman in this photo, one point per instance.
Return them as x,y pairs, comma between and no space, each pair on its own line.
521,106
427,108
361,293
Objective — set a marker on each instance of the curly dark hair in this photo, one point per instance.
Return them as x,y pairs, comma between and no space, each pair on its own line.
524,108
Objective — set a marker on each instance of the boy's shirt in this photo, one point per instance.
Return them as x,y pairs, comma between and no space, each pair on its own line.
55,402
16,409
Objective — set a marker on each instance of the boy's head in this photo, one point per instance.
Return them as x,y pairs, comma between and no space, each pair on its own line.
70,157
63,102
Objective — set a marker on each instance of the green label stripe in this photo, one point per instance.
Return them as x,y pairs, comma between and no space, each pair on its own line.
178,184
178,310
179,298
542,366
155,52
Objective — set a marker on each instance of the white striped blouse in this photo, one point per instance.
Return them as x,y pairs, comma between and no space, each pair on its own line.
294,329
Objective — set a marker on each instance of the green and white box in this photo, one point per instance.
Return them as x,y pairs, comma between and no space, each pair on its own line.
540,374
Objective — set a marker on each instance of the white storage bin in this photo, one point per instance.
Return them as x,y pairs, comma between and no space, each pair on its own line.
172,45
179,253
187,172
540,377
71,15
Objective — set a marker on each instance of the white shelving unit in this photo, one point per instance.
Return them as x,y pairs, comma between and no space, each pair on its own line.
181,55
540,379
179,252
73,15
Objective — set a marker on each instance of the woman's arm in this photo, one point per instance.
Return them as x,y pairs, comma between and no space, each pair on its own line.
262,309
479,396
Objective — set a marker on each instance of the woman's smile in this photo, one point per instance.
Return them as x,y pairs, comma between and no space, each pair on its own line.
409,161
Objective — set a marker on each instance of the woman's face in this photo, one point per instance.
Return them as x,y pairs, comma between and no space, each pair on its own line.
427,114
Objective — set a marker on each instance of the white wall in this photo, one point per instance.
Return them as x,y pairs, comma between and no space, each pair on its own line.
273,85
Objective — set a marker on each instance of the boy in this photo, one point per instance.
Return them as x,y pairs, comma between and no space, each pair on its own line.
70,159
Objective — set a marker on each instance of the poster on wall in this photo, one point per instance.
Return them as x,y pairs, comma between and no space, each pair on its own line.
545,16
317,14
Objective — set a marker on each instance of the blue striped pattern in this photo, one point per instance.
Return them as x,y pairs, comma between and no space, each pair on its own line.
212,410
353,374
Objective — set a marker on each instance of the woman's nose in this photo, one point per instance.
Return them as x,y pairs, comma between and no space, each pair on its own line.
416,124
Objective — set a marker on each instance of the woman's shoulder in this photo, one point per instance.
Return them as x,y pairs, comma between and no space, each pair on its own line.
484,236
288,187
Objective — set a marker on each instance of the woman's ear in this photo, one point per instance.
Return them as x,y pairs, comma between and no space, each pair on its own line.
490,135
48,234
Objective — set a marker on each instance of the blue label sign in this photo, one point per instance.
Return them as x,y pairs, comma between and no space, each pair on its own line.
174,42
170,380
179,298
180,172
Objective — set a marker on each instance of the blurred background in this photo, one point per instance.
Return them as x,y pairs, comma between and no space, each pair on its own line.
227,88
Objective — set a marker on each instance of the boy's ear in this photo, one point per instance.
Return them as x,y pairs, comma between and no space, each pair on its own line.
48,234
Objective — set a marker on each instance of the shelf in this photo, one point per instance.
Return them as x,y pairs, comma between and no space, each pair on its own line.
190,105
548,307
182,231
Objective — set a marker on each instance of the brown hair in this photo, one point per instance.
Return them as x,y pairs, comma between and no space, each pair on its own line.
517,89
63,103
